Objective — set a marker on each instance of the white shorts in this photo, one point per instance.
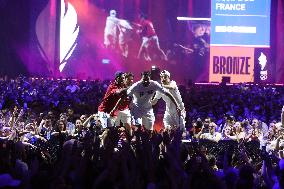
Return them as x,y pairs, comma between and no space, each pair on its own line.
105,119
124,117
142,117
147,41
173,119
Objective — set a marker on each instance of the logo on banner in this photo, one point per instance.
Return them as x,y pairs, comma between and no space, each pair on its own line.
262,61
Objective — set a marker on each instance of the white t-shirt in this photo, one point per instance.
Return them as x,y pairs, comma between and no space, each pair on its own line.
170,105
142,95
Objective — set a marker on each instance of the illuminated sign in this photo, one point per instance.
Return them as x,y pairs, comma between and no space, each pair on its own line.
240,23
234,62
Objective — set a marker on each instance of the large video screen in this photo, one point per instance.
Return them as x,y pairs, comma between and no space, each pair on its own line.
97,38
240,41
241,23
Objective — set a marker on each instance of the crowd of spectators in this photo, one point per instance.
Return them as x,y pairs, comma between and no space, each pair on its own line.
50,137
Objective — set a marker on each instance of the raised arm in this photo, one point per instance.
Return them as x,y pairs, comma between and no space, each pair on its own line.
169,86
277,142
115,107
88,120
174,101
156,97
13,119
163,91
198,135
123,96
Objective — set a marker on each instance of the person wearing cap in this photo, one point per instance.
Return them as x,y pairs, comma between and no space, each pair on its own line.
142,93
111,30
171,117
112,95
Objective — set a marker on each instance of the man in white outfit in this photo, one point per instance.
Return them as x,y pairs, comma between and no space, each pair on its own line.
142,93
111,30
171,117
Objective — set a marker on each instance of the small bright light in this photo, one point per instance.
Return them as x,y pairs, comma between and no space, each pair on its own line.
105,61
153,67
192,18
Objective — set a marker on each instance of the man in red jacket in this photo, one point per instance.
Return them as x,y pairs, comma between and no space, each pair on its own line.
112,95
121,109
150,41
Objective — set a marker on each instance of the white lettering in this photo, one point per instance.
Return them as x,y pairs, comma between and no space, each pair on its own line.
235,29
220,6
237,6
